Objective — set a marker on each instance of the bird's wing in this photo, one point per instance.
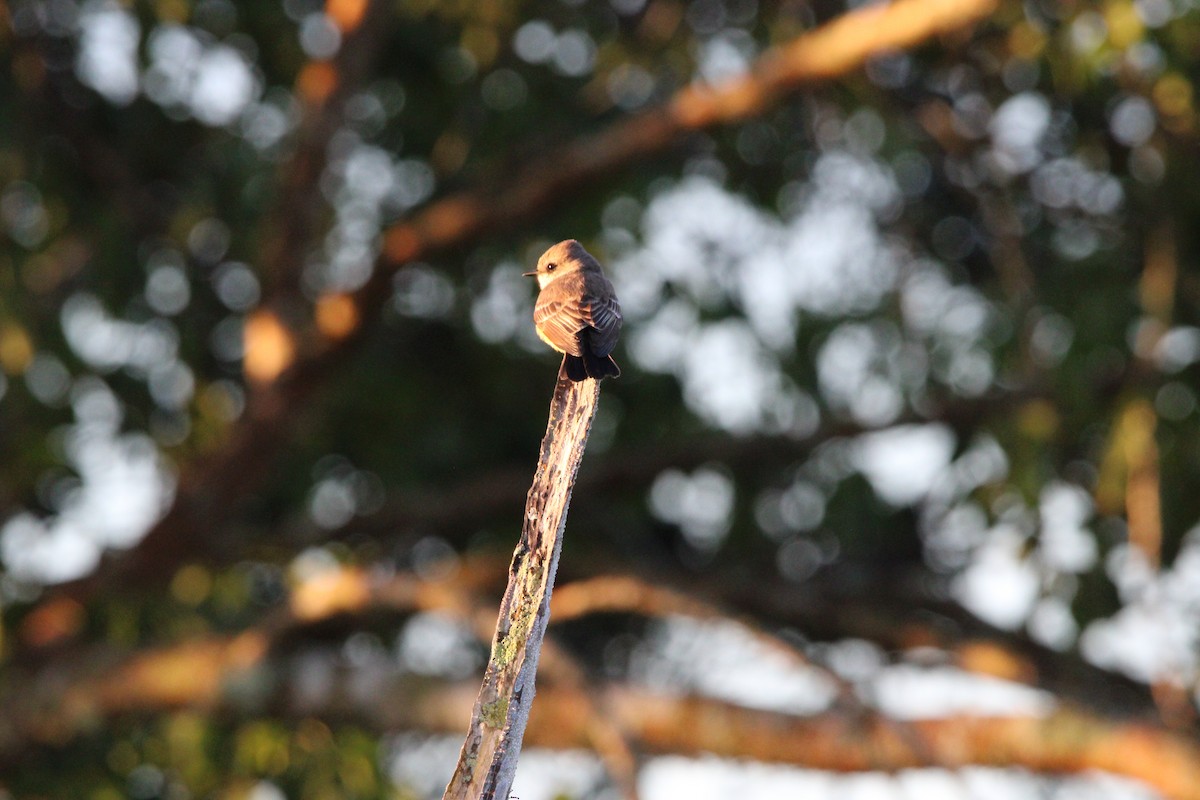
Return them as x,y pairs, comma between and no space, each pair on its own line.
558,324
604,315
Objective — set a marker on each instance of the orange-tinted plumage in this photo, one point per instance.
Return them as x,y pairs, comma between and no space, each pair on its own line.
577,312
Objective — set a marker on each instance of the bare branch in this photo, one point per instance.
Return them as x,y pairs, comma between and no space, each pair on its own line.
52,706
1064,742
899,610
81,685
488,761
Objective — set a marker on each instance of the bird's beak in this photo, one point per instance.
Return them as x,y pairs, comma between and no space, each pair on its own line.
529,274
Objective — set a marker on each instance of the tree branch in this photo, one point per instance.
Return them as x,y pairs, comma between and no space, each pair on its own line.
451,512
60,701
898,611
1064,742
323,87
488,761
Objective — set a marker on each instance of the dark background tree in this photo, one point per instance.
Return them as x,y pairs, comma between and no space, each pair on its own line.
906,427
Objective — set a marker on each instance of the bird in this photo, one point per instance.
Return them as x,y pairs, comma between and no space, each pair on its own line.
577,312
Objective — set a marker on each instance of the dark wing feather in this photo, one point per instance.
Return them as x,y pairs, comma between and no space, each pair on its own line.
604,315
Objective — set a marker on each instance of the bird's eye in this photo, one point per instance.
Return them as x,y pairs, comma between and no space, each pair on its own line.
551,267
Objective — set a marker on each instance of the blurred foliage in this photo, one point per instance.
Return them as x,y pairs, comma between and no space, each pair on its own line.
1016,261
191,754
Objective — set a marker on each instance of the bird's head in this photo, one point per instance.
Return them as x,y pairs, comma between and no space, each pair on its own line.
564,258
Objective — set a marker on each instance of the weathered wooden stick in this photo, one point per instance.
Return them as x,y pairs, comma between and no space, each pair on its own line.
488,761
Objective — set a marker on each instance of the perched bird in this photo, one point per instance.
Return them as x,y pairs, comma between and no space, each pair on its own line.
577,312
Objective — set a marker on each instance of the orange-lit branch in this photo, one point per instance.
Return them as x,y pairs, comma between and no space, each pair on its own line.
823,54
830,51
55,705
1065,742
631,595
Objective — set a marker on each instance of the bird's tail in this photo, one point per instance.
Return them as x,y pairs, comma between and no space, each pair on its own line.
589,365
